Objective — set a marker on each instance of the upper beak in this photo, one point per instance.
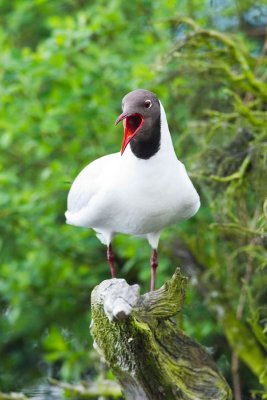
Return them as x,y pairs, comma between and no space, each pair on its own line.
121,117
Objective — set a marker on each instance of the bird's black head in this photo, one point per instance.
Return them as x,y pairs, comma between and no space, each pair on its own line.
141,115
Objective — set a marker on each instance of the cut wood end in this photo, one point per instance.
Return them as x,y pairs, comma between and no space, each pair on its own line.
117,297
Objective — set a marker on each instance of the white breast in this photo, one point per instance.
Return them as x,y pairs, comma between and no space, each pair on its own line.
126,194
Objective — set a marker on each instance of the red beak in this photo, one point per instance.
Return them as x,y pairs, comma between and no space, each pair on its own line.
132,124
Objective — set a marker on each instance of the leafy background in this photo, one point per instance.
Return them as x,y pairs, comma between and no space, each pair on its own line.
64,68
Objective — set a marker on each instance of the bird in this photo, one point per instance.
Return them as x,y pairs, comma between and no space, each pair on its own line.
140,190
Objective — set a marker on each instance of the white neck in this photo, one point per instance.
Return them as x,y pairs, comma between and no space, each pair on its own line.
165,140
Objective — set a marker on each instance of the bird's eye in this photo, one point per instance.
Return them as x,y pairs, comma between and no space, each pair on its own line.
148,103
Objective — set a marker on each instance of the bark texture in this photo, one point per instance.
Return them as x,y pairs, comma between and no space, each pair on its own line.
144,346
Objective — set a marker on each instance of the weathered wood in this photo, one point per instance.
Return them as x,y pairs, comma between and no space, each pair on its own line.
148,352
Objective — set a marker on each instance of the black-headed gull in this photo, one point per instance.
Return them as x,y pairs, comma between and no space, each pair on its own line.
139,191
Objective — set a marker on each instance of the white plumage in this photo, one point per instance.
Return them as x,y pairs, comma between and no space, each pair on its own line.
126,194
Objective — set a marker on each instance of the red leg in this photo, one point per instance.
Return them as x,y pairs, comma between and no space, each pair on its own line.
110,257
153,265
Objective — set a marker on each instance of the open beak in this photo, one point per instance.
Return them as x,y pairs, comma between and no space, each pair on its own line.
131,126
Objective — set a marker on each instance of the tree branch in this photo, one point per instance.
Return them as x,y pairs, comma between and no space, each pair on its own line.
150,355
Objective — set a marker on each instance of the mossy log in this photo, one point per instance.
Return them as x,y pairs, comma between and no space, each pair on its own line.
145,348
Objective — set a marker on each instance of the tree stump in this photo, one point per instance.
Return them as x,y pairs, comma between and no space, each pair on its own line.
145,348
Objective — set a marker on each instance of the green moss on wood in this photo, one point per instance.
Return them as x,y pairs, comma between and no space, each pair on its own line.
151,357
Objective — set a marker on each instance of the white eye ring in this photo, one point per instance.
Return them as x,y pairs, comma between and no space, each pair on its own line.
148,103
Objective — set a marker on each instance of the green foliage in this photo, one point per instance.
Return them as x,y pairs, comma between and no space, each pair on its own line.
65,66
